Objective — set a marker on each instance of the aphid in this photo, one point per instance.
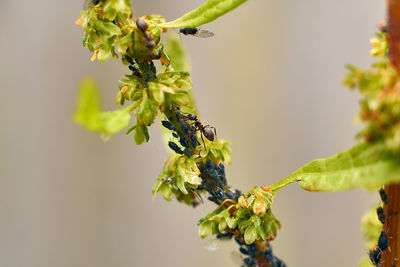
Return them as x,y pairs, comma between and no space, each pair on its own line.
383,242
384,195
280,263
219,194
142,25
196,32
135,71
168,125
244,251
375,256
130,60
193,140
381,215
153,69
224,236
229,194
183,142
175,147
249,262
188,152
175,135
88,4
150,44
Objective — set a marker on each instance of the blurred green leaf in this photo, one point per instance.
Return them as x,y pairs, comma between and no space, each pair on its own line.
207,12
89,115
371,227
114,121
87,112
177,53
366,165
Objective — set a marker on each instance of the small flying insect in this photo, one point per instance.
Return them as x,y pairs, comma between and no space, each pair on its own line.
196,32
88,4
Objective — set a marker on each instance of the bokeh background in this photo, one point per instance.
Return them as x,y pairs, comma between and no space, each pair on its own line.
269,80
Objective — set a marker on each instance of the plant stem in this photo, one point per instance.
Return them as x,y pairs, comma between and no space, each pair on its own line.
261,260
391,256
393,24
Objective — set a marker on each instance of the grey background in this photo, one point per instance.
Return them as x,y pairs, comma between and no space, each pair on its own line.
269,81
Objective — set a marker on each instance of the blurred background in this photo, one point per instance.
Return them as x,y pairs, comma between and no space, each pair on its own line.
269,80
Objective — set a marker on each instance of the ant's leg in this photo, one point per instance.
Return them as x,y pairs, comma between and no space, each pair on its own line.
198,196
215,131
201,135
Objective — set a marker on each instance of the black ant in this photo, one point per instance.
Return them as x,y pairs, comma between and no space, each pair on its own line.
208,131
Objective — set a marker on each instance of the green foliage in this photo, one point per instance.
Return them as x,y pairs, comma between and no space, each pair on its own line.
207,12
250,216
374,161
88,112
365,165
380,96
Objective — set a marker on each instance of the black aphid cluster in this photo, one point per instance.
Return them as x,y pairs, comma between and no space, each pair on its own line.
213,181
213,176
383,243
251,253
148,71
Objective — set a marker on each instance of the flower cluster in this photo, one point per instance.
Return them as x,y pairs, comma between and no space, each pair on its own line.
380,94
250,216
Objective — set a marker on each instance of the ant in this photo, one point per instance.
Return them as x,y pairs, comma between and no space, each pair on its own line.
208,131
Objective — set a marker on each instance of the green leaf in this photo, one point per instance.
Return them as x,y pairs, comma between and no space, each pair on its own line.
205,229
114,121
366,165
207,12
250,234
88,105
139,135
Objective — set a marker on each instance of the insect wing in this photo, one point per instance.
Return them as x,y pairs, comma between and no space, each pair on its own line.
215,243
212,244
203,34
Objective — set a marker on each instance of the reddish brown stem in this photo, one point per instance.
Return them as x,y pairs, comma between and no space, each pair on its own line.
391,256
261,260
393,24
